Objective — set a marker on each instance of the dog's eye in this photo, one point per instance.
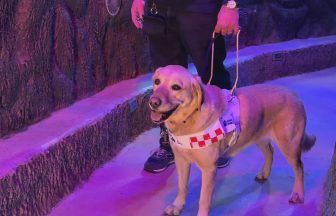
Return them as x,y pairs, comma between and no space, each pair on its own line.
176,87
157,82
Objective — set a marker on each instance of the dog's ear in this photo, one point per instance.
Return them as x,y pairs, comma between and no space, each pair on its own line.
198,90
157,70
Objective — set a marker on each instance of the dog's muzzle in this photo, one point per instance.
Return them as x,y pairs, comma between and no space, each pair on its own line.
154,103
159,117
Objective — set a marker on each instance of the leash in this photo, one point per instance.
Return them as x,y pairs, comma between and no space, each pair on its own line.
237,60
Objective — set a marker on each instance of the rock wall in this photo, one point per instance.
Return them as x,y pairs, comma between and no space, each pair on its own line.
267,21
54,52
329,204
36,186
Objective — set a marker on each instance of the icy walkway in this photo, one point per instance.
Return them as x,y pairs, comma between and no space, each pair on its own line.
122,188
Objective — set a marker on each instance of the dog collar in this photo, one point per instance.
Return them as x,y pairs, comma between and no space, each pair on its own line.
228,122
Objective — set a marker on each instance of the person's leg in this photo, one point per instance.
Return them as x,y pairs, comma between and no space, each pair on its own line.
165,50
196,31
162,157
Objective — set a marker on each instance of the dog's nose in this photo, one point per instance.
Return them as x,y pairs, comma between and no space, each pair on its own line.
154,102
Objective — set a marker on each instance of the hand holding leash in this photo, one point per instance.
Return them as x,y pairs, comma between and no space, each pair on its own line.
137,12
227,20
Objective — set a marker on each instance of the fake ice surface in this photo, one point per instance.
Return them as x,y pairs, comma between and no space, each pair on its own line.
122,188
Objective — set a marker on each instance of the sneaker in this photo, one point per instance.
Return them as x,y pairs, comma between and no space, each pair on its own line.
223,161
159,161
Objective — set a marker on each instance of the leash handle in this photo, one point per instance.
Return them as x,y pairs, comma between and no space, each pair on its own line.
212,56
237,63
237,60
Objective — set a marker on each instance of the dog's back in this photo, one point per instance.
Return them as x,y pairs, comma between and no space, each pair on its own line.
266,109
274,113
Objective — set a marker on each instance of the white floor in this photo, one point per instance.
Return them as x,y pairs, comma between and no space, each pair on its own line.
122,188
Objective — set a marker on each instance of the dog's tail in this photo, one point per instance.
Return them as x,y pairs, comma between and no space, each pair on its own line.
308,142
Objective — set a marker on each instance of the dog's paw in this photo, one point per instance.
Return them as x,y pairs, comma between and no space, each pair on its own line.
202,213
172,210
260,178
296,199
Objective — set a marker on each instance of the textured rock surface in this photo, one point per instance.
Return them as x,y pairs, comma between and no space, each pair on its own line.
329,204
267,21
273,65
35,187
55,52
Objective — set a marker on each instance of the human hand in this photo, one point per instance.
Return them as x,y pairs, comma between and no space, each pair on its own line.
227,21
137,12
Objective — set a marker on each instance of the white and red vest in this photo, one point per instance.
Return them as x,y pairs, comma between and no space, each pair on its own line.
227,123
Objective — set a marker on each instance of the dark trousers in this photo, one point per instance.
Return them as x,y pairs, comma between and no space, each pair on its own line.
189,34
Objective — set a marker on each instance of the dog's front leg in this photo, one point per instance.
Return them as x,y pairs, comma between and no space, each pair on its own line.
208,183
183,171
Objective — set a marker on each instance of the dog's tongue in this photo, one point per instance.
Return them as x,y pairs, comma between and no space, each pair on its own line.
156,116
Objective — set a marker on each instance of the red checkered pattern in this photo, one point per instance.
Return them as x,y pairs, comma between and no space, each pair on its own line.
206,139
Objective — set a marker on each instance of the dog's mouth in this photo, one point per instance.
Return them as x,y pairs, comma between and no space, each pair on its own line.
159,117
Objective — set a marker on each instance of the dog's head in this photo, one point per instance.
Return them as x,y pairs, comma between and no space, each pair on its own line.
176,94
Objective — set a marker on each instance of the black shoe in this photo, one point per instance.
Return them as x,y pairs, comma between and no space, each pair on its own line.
223,161
159,161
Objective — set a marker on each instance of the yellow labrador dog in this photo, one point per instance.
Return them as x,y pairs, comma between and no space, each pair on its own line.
267,113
